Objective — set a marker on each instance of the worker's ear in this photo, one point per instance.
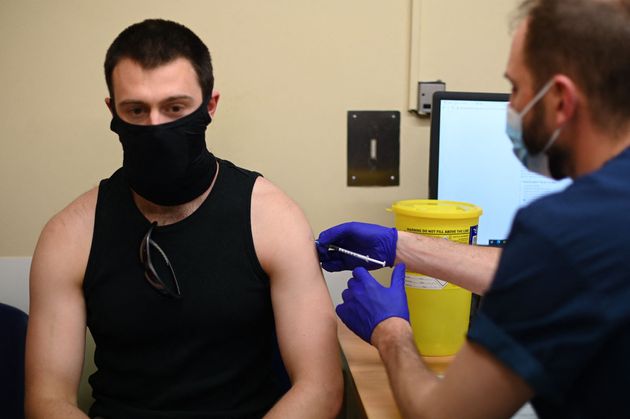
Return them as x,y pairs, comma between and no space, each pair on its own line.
213,102
564,96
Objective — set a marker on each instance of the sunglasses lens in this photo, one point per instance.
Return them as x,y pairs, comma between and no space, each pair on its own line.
143,252
157,269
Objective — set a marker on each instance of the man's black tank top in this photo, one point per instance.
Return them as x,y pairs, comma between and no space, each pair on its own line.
206,355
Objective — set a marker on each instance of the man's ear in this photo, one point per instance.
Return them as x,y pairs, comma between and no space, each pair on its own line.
566,99
213,102
110,104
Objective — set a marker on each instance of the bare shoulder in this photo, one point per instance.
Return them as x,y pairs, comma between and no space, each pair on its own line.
279,226
268,200
65,240
75,220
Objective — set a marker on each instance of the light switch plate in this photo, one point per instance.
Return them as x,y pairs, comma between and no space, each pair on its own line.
425,95
373,148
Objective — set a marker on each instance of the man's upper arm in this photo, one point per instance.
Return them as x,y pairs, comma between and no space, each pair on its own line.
305,320
56,331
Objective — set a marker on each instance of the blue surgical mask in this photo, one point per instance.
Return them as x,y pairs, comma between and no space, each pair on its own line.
539,162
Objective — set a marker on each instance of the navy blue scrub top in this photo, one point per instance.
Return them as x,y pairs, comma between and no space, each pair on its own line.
558,310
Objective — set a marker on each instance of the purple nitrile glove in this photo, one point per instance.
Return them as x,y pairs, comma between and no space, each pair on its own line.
366,303
373,240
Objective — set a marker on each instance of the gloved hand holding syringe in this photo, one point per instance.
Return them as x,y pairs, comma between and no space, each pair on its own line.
350,245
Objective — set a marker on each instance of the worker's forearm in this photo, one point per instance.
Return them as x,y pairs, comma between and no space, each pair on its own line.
411,381
309,401
470,267
52,409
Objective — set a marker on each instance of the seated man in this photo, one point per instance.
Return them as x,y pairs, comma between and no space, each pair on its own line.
184,266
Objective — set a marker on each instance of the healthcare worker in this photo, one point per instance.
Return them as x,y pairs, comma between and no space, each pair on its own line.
554,322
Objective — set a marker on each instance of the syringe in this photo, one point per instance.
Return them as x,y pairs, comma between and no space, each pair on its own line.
333,248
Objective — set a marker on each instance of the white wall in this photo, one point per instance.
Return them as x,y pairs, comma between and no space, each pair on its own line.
14,281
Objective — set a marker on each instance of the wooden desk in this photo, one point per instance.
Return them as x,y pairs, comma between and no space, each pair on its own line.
369,375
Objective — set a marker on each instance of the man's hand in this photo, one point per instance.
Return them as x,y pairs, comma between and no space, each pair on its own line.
371,240
366,303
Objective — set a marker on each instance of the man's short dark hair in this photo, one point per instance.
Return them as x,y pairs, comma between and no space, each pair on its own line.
588,41
155,42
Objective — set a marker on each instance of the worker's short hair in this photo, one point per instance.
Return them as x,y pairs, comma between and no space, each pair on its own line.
155,42
588,41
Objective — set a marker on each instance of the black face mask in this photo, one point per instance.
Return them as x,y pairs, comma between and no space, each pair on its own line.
167,164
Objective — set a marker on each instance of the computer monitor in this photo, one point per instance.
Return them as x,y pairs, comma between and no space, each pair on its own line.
471,160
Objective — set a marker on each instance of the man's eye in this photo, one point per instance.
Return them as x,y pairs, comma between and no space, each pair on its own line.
176,108
135,111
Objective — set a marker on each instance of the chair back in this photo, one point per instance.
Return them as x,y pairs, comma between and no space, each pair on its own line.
13,323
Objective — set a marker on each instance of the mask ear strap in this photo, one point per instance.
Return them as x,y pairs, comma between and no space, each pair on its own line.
538,96
552,140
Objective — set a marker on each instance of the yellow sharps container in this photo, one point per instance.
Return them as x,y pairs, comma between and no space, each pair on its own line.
439,311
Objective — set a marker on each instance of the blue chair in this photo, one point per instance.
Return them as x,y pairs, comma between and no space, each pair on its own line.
12,341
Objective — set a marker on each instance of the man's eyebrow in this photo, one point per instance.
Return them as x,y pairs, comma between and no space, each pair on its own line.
130,102
168,99
178,97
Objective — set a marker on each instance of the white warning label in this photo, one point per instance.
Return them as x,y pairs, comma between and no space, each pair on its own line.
424,282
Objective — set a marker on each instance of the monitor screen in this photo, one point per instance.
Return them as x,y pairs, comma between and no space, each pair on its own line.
471,160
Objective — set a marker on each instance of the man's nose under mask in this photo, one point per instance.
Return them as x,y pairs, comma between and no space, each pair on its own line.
167,164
